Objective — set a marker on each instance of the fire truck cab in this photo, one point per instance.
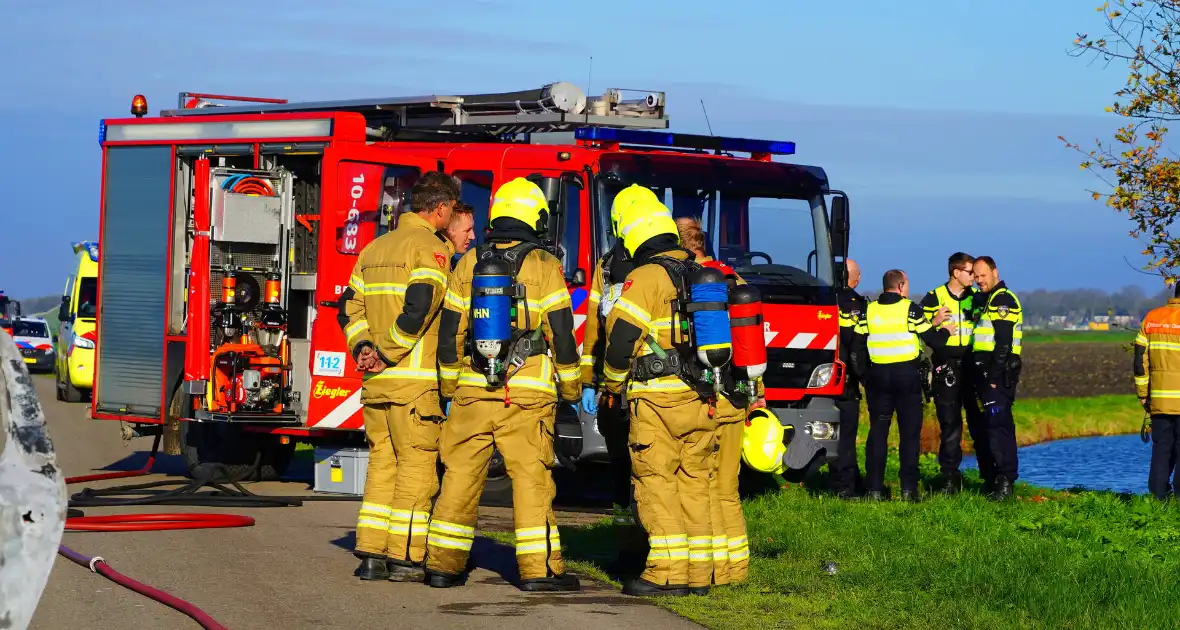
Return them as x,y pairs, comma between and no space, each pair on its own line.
230,226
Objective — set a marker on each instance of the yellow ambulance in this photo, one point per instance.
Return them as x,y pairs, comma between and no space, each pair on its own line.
76,336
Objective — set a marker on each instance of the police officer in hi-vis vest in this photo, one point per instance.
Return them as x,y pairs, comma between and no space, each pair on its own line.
846,480
995,350
890,330
954,389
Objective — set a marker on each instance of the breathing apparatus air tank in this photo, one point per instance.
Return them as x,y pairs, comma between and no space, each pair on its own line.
491,313
749,341
708,292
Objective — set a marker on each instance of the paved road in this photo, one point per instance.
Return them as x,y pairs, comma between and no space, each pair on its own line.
292,569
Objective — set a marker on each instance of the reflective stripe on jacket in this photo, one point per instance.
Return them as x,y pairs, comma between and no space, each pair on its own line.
397,286
1157,359
961,313
892,331
999,309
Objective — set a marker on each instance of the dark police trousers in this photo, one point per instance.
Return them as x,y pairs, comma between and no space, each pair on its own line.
890,388
954,394
1001,428
844,471
1165,451
613,425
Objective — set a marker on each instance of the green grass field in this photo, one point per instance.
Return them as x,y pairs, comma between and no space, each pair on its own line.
1080,336
1042,419
1047,560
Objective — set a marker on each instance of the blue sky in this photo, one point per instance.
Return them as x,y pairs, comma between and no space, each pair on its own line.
940,119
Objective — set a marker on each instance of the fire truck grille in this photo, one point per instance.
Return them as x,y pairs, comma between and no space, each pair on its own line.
791,368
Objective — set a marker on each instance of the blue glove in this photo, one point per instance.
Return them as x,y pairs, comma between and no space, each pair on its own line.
589,400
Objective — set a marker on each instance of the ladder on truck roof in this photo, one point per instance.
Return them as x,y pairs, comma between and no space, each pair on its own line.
554,107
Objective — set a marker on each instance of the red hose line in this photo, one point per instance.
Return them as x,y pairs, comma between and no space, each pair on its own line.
122,474
99,566
155,522
145,522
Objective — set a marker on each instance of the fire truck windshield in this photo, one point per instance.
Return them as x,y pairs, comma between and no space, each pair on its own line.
766,219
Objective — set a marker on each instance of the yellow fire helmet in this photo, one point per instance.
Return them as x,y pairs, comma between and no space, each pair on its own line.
624,199
522,200
762,442
643,220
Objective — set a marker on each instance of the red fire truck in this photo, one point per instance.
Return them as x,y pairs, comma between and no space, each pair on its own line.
230,226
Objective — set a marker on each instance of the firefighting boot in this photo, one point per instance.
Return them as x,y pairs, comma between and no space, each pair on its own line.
405,571
874,495
910,495
640,587
437,579
566,582
372,569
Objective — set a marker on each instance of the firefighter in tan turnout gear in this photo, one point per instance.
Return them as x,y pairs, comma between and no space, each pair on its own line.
731,549
672,432
396,291
605,288
508,302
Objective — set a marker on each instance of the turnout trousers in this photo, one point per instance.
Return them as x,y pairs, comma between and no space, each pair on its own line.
953,398
524,436
893,388
731,550
671,463
401,480
1165,451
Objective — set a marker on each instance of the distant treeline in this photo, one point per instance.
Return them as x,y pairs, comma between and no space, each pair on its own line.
1082,304
30,306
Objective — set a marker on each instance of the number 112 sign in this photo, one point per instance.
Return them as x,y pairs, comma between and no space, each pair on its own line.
328,364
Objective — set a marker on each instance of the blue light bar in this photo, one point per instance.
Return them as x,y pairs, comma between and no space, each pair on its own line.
684,140
90,247
102,132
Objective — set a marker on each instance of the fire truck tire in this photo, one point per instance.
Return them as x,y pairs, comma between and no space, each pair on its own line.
497,490
227,453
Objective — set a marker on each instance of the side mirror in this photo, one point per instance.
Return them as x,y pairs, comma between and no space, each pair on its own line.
579,278
840,225
63,311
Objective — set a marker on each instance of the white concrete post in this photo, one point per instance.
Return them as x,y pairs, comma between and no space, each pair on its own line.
32,493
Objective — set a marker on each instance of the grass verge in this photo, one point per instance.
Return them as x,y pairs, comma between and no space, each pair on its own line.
1040,420
1047,560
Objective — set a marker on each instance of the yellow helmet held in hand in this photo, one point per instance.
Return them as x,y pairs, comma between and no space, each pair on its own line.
624,200
644,220
522,200
762,442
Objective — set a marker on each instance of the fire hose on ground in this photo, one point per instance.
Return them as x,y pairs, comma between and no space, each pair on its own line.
231,494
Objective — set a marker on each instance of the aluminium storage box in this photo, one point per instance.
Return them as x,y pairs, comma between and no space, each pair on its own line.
341,470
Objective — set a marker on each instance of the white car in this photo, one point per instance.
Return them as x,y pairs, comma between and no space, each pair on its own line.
32,338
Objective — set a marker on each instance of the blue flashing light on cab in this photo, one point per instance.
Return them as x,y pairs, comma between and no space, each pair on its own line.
684,141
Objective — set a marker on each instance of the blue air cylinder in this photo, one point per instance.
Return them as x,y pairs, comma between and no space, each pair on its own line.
491,309
709,293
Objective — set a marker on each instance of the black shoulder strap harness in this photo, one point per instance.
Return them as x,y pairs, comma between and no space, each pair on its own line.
683,362
526,342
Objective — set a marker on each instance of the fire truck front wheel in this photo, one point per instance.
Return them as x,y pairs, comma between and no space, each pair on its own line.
223,453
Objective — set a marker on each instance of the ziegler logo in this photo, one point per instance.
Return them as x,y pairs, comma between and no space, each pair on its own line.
333,393
823,315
